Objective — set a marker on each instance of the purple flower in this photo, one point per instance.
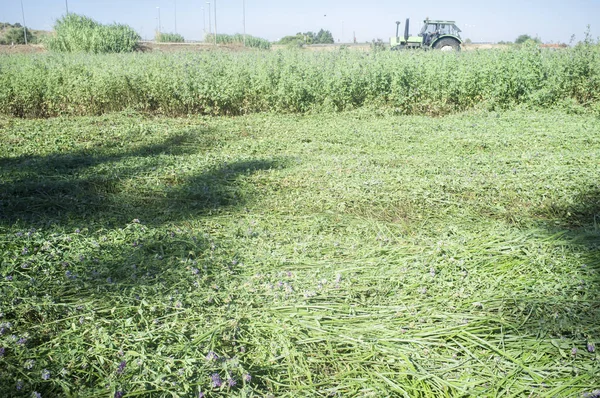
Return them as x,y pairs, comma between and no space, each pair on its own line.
121,367
574,351
45,374
211,356
2,350
216,380
22,341
29,364
19,385
36,395
119,394
247,377
25,251
591,347
231,382
9,278
77,231
200,394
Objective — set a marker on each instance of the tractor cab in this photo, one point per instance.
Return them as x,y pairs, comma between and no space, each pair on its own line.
432,30
435,34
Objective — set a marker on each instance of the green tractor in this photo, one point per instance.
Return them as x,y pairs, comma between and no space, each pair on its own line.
438,35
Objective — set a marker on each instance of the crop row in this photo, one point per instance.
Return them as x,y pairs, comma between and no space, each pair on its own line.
221,83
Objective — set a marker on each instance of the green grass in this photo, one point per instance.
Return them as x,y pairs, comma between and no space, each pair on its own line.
351,254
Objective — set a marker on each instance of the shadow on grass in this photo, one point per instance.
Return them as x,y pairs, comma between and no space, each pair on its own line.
147,260
114,188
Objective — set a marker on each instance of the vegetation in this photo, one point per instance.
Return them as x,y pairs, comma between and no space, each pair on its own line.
379,45
78,33
7,25
169,38
251,41
220,83
322,37
525,38
353,254
15,35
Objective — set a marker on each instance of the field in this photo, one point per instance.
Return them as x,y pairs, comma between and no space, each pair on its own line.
193,46
351,251
226,83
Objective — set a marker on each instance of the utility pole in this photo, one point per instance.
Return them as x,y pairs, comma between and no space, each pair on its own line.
175,15
215,22
209,19
244,20
159,27
24,26
203,22
67,6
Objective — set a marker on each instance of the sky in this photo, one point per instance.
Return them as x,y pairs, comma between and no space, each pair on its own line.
554,21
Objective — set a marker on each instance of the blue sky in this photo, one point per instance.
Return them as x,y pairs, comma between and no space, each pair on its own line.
481,21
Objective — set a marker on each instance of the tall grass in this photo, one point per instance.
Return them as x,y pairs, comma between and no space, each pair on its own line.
169,38
78,33
221,83
251,41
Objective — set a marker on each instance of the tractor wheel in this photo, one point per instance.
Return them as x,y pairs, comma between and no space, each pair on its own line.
398,48
447,44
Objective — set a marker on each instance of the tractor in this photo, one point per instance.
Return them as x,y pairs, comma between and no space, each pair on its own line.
438,35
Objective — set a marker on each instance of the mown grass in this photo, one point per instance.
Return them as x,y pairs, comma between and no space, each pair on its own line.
221,83
348,254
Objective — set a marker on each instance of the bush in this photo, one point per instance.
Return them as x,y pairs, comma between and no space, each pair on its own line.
322,37
78,33
251,41
525,38
169,38
378,45
16,36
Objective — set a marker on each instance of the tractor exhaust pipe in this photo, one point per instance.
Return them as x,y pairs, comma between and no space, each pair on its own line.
406,29
397,28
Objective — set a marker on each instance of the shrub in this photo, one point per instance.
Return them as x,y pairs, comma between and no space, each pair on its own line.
169,38
525,38
16,36
78,33
251,41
